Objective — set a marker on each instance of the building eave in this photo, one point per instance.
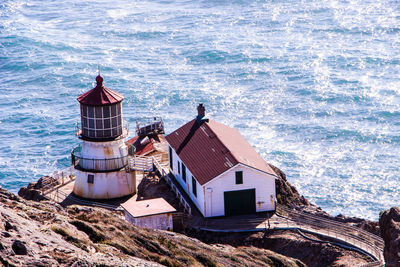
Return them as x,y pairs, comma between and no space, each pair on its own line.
237,165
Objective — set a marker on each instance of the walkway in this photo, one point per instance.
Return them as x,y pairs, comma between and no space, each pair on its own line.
341,232
343,235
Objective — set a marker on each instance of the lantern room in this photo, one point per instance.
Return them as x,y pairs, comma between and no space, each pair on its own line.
101,113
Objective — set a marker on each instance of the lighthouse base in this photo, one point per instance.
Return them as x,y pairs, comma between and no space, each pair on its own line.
104,185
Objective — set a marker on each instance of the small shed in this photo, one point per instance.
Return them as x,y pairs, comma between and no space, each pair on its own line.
152,213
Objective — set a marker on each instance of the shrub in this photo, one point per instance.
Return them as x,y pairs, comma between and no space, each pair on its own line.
93,234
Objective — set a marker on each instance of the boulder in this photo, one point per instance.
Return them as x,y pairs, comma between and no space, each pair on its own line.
389,223
30,194
8,226
19,248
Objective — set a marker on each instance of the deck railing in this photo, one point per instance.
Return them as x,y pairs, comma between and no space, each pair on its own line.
57,179
141,163
97,165
174,188
151,125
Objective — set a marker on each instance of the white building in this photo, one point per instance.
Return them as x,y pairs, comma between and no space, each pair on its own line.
153,213
219,169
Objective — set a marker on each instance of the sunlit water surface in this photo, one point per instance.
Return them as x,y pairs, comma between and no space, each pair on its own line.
313,85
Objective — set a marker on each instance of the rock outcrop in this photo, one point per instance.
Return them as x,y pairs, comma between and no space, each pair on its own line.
95,234
32,191
287,194
367,225
389,223
46,234
291,244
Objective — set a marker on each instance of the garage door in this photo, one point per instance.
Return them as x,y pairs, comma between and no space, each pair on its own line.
240,202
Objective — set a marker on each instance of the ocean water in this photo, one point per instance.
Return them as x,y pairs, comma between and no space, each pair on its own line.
313,85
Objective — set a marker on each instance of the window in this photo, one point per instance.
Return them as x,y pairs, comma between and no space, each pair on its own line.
179,167
84,110
99,124
239,177
106,111
184,172
91,123
113,111
107,124
194,187
171,161
90,178
91,112
98,112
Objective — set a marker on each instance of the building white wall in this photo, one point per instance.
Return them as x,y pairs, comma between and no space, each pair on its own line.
252,178
187,186
158,221
105,184
210,196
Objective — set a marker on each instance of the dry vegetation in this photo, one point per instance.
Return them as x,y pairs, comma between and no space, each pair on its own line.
43,234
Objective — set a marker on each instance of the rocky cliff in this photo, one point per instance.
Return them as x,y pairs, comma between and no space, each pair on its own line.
46,234
287,194
290,244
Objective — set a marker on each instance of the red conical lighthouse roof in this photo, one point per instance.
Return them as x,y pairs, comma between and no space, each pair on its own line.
100,95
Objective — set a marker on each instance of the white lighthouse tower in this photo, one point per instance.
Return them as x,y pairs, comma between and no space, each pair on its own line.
101,162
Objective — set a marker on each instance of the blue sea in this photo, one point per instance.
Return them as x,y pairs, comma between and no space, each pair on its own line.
314,86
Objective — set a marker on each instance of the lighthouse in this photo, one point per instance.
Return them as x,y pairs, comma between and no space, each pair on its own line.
102,159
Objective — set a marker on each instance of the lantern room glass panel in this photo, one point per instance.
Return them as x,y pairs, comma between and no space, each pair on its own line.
101,122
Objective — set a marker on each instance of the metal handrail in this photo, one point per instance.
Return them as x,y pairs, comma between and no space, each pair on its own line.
319,219
151,124
97,165
349,234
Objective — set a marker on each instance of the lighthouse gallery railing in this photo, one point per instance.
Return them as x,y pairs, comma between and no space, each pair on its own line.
98,165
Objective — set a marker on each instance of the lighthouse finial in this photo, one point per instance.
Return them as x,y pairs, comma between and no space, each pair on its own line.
99,79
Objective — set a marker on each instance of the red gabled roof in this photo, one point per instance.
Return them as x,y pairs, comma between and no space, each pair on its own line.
100,95
210,148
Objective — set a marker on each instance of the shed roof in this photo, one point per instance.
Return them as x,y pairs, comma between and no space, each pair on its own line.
100,95
142,148
209,148
148,207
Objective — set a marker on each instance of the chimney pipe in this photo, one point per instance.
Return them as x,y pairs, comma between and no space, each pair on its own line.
201,110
